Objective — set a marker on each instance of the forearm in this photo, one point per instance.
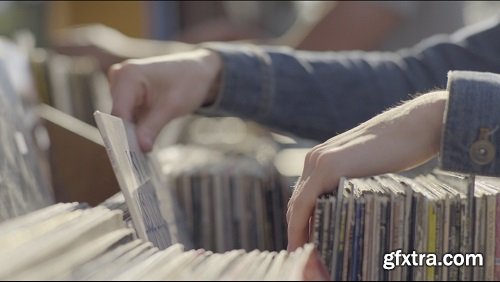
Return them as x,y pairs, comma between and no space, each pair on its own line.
318,95
397,139
407,135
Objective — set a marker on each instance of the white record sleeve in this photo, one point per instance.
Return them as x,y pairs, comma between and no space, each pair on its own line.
135,177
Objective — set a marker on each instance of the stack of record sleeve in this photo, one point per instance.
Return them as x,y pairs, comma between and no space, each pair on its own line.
24,187
229,201
427,214
73,242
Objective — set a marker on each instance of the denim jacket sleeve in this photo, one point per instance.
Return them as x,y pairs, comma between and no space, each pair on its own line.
318,95
471,134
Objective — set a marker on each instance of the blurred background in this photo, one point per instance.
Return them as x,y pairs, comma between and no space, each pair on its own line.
197,21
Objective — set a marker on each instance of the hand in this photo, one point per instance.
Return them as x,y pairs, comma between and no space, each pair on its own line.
151,92
398,139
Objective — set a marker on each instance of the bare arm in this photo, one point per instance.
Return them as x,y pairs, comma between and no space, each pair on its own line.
398,139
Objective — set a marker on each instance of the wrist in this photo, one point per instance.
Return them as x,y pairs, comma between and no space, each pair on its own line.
434,116
425,125
213,63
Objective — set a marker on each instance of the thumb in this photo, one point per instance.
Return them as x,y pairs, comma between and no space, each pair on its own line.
150,124
112,72
127,92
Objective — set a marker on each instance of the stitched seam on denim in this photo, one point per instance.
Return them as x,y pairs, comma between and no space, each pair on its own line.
267,84
215,107
446,151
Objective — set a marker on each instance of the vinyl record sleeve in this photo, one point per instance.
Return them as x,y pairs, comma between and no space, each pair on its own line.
135,177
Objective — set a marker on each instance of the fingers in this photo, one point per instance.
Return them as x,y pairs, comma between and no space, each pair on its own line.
150,124
134,101
299,212
301,209
318,178
127,91
112,71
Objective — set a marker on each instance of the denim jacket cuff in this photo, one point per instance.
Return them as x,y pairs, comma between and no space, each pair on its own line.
471,135
246,81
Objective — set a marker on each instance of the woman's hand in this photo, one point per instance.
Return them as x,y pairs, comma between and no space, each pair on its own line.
151,92
398,139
